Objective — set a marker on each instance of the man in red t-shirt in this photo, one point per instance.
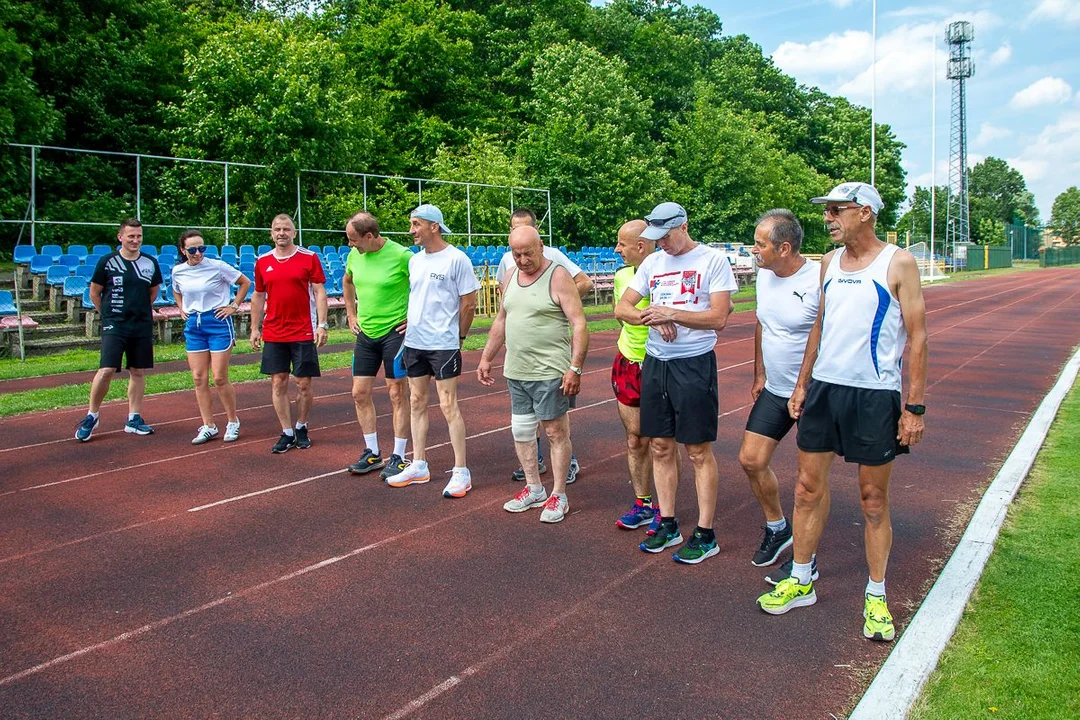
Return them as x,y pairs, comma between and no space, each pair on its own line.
290,287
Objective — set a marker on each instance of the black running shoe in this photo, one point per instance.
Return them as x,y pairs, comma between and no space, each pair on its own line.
368,462
302,441
394,465
283,444
772,545
519,474
784,572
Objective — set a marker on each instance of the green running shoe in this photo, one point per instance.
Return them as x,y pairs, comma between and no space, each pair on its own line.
787,595
695,550
665,537
879,624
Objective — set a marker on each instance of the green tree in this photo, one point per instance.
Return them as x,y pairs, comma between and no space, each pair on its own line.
997,192
1065,216
916,219
588,143
730,169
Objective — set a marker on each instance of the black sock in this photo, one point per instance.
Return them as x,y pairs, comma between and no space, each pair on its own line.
706,534
669,521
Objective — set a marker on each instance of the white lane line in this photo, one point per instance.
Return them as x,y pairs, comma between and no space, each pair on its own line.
95,536
916,654
590,602
157,624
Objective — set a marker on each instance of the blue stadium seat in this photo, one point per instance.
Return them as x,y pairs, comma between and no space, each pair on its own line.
24,254
248,268
86,300
263,249
39,264
247,251
74,286
7,304
69,261
148,249
102,249
85,271
212,251
246,297
165,296
229,251
51,250
56,273
78,251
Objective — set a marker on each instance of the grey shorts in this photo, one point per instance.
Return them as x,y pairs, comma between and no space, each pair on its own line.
544,398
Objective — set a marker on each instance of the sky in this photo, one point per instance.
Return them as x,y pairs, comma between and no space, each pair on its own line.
1023,101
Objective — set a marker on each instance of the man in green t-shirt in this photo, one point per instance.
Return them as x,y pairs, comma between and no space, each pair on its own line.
626,382
376,292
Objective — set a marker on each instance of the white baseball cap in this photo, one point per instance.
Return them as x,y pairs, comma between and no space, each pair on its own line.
859,193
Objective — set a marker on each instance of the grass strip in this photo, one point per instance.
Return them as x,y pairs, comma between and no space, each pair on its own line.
1016,653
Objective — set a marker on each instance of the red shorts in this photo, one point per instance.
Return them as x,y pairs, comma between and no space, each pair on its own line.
626,380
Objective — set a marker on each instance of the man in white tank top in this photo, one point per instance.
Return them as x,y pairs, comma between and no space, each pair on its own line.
788,290
848,395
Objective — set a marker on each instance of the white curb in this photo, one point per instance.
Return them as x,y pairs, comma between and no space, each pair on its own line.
916,654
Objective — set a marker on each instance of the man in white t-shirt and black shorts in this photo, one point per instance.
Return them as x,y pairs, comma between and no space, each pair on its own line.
788,288
442,301
521,217
689,287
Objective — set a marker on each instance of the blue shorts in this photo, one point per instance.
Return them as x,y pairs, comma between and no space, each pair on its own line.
205,332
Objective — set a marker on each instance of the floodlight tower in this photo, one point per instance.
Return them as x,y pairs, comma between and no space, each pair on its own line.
959,36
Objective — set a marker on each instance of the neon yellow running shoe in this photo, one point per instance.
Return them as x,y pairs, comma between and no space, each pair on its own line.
879,624
787,595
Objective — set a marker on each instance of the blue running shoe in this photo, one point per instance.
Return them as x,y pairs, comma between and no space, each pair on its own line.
655,524
86,428
639,514
138,426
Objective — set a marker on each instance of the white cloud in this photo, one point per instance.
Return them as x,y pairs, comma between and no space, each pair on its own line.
841,3
1002,55
917,11
1047,91
834,54
1067,11
989,134
1050,162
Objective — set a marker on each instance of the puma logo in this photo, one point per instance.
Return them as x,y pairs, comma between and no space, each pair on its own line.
798,295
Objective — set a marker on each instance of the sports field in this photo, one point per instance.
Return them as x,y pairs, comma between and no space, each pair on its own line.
141,576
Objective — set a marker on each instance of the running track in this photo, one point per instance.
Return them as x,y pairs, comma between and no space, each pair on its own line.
143,577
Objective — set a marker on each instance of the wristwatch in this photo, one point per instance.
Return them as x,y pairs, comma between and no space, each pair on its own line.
916,409
575,369
324,326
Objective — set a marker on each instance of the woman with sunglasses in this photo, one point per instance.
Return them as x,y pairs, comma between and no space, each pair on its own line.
202,287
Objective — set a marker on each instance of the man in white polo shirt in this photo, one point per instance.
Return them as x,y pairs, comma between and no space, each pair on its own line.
788,289
689,287
442,300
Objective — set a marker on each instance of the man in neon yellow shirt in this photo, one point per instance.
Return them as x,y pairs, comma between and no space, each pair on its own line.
376,292
626,382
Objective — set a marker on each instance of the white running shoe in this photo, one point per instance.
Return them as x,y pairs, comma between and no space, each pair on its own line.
232,431
206,433
460,483
526,499
555,509
416,473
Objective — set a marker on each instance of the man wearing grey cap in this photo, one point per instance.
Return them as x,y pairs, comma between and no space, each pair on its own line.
847,398
689,288
442,300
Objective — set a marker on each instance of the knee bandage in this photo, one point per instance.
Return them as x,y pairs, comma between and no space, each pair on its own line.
524,427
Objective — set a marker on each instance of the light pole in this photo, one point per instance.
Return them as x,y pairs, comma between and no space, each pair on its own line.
873,97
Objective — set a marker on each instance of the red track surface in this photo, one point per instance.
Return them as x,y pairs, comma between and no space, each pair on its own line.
337,596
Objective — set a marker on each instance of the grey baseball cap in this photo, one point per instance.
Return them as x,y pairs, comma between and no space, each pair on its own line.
664,217
859,193
430,213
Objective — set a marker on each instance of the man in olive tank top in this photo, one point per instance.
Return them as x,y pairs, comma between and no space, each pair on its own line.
542,367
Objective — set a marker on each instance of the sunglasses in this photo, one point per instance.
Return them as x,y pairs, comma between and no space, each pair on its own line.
198,249
660,222
835,211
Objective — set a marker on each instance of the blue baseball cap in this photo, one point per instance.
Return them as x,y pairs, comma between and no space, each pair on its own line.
432,214
663,219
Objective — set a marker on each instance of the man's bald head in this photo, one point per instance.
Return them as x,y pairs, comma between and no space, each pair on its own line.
526,249
523,235
631,246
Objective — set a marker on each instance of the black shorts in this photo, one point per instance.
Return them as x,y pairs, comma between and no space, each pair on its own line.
858,424
680,399
370,353
442,364
301,357
139,352
770,416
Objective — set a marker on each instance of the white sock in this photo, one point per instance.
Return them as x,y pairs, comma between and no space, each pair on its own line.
420,464
801,572
776,525
561,496
288,431
536,489
131,416
92,414
234,423
461,468
399,446
300,425
372,440
875,588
